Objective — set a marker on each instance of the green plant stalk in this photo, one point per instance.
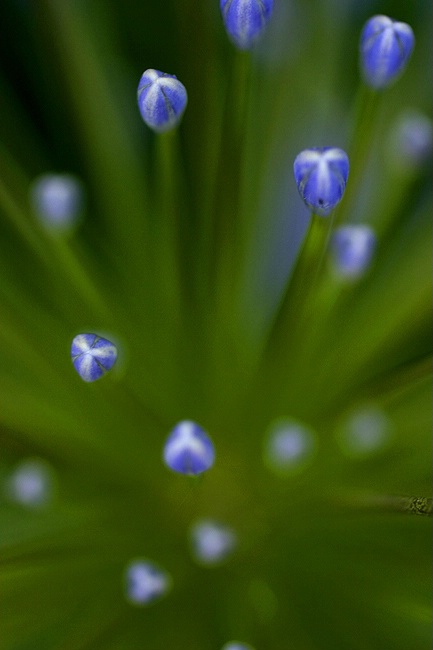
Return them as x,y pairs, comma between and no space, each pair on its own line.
365,112
301,284
228,221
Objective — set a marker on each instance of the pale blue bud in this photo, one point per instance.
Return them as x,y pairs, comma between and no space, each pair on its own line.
92,356
188,449
57,201
162,100
385,48
145,582
289,447
352,249
31,483
364,432
321,176
211,541
245,20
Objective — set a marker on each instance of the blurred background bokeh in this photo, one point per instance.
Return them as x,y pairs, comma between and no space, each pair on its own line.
181,255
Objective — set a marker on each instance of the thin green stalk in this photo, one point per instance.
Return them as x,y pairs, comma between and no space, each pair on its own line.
298,289
167,221
17,218
80,278
415,505
227,218
360,142
50,250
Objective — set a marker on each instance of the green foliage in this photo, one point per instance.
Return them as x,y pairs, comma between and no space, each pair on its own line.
184,257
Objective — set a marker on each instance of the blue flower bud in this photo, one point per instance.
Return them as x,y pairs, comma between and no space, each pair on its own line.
236,645
352,248
321,177
162,100
386,46
57,200
188,449
289,447
245,20
211,541
31,484
92,356
364,432
145,582
410,141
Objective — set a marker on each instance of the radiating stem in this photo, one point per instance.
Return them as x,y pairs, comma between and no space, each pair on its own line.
421,506
227,204
360,142
300,284
167,221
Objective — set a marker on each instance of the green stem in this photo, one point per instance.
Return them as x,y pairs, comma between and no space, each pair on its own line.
227,219
167,221
421,506
17,218
360,142
300,285
50,249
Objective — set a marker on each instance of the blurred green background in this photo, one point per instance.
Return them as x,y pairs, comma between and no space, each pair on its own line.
182,259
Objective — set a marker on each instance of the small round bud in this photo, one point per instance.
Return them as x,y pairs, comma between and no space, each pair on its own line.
352,249
410,142
321,176
92,356
236,645
385,48
162,100
30,484
188,449
289,447
211,542
245,20
145,582
57,201
364,432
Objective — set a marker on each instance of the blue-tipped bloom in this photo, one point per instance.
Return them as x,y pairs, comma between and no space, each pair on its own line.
92,356
145,582
321,176
245,20
211,541
57,201
352,249
385,48
188,449
289,447
162,99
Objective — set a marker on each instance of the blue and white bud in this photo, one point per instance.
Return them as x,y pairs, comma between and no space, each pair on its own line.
188,449
385,49
92,356
211,541
321,175
245,20
236,645
145,582
352,249
57,201
162,100
30,484
364,432
289,447
410,140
